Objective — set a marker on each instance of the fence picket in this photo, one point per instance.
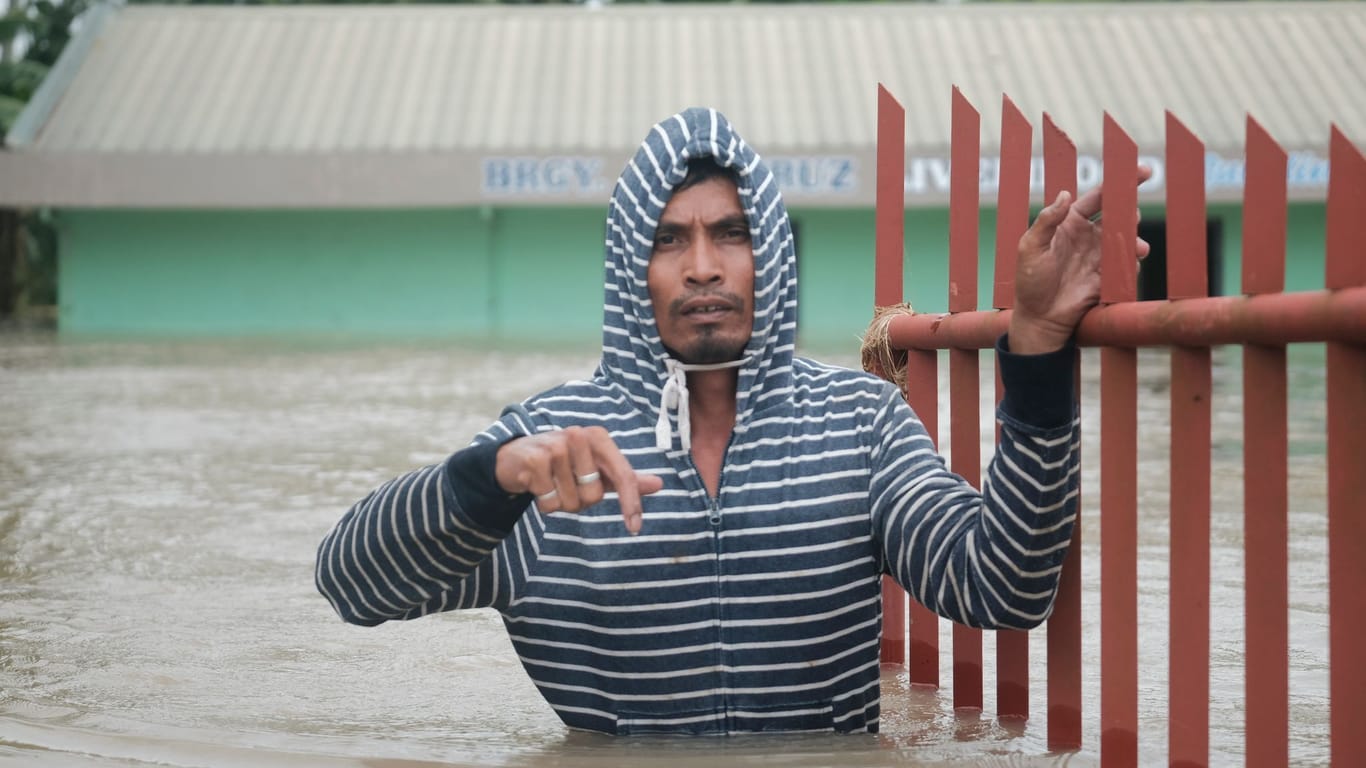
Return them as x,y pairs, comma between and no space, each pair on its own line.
1345,268
1191,392
1064,626
1265,457
1012,219
888,290
965,381
1119,462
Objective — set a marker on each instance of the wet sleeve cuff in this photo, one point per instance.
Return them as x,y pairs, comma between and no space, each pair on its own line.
472,473
1038,388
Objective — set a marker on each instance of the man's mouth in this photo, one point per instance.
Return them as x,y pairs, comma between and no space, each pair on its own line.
707,309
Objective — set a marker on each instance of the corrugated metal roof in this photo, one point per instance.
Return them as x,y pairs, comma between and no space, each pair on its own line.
429,81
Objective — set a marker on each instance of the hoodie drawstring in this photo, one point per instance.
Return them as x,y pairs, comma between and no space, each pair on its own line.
675,395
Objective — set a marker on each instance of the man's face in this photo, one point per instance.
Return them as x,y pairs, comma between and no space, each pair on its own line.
701,275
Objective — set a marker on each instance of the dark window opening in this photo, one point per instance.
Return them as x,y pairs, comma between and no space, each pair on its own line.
1152,272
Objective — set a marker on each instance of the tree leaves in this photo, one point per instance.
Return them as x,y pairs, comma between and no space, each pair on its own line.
11,24
50,28
20,79
10,108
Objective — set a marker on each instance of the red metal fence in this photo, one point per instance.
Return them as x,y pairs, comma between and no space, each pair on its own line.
1189,323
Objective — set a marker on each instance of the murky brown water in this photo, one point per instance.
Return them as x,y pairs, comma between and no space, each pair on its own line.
160,504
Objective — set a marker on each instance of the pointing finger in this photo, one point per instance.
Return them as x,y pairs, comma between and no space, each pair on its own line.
645,485
620,476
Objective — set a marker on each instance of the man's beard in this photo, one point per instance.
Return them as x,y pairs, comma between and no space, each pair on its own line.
710,346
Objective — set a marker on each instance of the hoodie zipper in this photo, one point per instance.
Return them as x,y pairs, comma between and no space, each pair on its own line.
714,519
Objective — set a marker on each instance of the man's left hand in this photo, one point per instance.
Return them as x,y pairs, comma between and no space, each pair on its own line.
1057,273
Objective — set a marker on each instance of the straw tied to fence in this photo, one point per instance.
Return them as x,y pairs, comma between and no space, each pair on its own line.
1190,322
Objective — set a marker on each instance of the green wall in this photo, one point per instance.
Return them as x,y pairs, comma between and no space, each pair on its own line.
468,272
530,274
547,266
1305,243
836,269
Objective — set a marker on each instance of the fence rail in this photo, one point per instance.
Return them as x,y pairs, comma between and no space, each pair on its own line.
1190,322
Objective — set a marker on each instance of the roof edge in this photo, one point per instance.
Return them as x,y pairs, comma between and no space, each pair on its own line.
44,101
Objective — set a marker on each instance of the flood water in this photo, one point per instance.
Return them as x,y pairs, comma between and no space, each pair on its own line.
160,504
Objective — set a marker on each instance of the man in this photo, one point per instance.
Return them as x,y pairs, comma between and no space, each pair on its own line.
763,495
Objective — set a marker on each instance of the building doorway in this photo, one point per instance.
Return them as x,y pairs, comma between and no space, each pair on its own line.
1152,272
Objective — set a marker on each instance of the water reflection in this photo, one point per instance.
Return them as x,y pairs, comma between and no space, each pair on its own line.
160,504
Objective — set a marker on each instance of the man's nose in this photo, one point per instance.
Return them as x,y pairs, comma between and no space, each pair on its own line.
704,262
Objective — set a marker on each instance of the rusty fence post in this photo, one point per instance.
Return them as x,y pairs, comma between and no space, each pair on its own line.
1345,268
922,386
1191,390
1119,462
1064,625
965,380
1265,455
888,291
1012,219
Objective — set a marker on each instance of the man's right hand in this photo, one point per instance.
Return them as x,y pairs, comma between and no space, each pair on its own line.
570,469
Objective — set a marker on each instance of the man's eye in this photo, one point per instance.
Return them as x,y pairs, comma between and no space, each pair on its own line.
737,233
663,240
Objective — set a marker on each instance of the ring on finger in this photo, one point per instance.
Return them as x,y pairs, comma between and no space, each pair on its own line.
591,477
548,495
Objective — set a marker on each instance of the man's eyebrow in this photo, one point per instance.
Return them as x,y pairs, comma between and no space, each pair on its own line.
738,220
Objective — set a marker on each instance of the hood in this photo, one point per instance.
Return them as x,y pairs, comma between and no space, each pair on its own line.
633,358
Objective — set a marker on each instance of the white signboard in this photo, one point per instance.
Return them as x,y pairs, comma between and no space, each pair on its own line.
568,176
556,176
836,179
815,175
929,176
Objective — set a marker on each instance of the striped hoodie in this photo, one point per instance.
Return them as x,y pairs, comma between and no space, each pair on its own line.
757,609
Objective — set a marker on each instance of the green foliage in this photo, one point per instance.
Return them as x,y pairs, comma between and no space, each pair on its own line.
49,25
19,79
10,108
11,24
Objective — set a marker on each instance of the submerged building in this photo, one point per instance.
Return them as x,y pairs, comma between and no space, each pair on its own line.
443,171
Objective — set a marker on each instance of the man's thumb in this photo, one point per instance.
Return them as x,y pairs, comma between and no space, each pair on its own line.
1057,210
1048,220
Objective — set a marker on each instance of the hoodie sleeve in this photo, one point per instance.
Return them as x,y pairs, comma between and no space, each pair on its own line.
989,559
439,538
